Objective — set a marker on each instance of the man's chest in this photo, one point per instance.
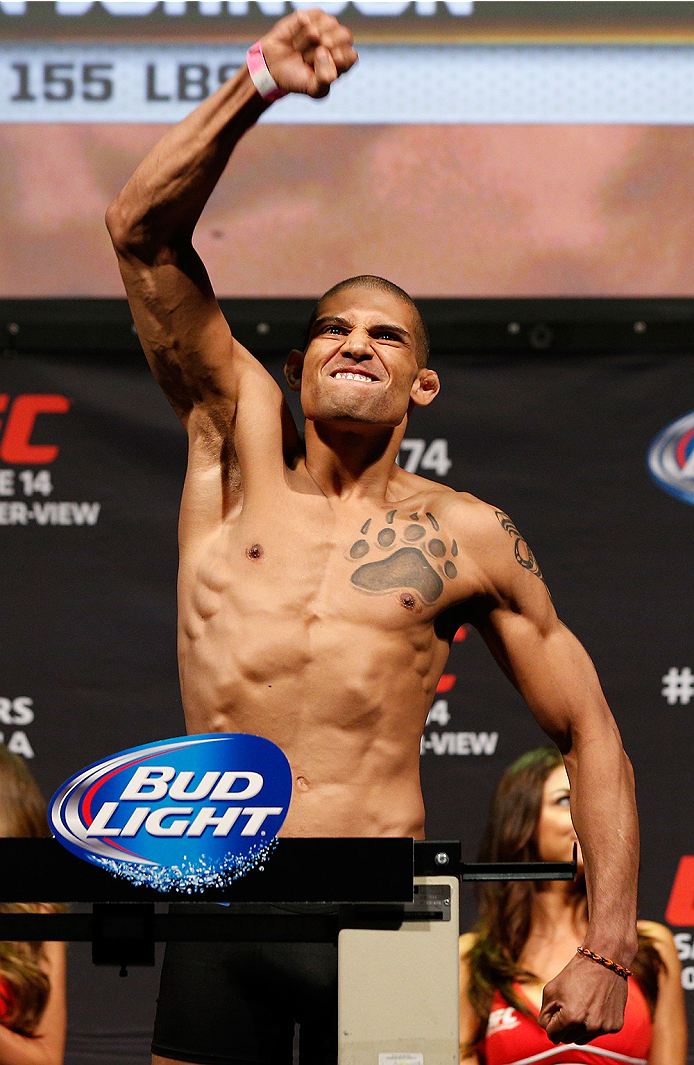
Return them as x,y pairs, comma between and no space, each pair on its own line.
309,558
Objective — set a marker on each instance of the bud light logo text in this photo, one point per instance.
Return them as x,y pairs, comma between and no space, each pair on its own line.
671,459
182,814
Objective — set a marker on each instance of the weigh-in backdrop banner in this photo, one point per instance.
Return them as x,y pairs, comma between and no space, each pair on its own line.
91,467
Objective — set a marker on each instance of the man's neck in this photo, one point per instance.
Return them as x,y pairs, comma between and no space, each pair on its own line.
350,460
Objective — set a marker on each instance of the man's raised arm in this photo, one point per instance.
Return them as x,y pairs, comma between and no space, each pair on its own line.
182,329
558,681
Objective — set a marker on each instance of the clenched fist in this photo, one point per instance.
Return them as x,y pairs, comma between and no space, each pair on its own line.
307,51
583,1002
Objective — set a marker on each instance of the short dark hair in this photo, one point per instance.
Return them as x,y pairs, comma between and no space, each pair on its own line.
421,333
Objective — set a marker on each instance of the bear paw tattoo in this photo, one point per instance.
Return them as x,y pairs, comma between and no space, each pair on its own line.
415,557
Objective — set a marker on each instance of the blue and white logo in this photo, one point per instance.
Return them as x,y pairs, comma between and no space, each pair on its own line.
182,814
671,458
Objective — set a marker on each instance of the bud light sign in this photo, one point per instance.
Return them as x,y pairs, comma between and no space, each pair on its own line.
183,814
671,458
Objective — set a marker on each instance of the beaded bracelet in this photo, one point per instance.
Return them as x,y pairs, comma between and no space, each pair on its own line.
620,970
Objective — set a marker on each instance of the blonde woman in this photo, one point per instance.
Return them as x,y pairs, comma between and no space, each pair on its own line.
32,975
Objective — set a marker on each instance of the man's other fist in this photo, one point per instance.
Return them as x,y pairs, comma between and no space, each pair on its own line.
583,1002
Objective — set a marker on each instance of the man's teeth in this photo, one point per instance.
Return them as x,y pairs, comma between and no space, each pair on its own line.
346,375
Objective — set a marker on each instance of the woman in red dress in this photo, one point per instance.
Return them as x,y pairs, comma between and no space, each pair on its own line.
529,930
32,975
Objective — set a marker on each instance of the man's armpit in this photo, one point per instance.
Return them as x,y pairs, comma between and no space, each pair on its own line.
211,435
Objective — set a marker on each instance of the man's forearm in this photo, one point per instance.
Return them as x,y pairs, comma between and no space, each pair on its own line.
603,808
157,210
559,683
163,200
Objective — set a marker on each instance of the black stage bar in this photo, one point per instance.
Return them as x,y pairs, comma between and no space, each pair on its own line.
297,870
342,870
307,891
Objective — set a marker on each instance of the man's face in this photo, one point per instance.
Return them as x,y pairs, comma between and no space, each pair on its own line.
361,361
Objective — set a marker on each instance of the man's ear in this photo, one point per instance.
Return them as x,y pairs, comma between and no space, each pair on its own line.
425,388
293,369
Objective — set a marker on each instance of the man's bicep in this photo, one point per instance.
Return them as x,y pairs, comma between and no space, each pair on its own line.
555,676
515,615
541,657
183,332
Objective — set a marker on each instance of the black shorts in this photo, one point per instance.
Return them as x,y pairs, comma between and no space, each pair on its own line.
224,1003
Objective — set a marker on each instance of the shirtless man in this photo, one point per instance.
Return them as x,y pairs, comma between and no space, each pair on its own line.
320,588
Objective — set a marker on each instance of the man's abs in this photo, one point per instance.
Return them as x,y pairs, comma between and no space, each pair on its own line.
349,721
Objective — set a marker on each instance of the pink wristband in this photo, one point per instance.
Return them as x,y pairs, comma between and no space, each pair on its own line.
261,76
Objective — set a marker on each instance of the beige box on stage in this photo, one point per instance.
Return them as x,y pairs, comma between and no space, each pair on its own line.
398,988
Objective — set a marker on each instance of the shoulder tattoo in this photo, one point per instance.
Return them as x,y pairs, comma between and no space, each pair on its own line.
524,555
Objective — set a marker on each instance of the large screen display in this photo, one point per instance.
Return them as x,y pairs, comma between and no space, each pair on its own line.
486,149
388,21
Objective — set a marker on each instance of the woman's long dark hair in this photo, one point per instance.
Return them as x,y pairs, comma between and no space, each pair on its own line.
22,813
505,907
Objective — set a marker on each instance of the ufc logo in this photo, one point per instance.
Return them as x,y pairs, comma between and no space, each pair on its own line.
680,908
18,425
